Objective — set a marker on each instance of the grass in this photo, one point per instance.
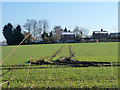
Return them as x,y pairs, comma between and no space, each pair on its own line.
67,77
25,52
63,76
104,52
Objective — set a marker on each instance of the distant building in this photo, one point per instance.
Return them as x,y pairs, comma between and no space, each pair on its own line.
31,37
114,35
3,43
100,34
67,37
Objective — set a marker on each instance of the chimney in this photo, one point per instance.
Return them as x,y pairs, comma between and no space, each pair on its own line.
101,30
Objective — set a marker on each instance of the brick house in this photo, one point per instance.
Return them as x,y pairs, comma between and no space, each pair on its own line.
31,37
67,37
100,34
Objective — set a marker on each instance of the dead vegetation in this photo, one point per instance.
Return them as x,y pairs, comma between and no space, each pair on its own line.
70,61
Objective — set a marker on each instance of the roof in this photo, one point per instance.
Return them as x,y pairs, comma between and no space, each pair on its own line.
68,33
100,31
26,33
115,33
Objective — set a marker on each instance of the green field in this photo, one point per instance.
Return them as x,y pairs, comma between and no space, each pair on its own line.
58,76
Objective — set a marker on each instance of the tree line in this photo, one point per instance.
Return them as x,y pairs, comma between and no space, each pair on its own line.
39,30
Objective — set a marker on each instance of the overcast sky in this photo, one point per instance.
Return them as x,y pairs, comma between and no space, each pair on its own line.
89,15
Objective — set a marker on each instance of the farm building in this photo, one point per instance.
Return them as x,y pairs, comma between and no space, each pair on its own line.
67,37
100,34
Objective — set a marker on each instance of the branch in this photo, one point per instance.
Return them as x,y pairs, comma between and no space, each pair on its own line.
15,48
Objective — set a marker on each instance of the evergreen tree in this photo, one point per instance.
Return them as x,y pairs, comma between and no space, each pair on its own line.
65,30
12,36
52,38
44,35
51,33
18,36
7,33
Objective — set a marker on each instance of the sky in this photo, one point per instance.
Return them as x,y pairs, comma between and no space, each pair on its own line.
90,15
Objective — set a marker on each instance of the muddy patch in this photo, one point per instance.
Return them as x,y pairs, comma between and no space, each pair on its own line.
74,63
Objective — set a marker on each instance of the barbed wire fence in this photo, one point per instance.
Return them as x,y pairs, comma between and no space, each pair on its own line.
12,53
32,86
12,70
15,48
28,67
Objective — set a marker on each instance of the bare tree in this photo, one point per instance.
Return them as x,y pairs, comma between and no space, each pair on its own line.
80,31
28,26
45,26
35,27
84,32
77,31
58,30
39,30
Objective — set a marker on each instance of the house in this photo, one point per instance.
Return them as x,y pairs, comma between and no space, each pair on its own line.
3,43
31,37
114,35
100,34
67,37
